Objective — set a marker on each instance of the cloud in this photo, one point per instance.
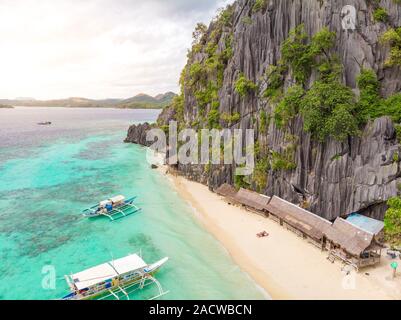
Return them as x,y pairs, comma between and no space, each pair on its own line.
96,48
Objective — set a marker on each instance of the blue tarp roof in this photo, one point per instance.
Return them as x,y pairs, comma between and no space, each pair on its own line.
365,223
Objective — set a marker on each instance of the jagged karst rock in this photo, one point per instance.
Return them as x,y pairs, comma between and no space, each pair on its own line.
333,178
137,134
168,114
340,178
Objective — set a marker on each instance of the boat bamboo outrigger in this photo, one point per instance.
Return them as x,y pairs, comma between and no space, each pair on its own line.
114,208
115,279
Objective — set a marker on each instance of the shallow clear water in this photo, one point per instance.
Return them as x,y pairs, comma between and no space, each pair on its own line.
50,174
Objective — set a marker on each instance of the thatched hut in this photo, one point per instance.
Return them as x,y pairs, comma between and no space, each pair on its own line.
304,223
252,200
227,191
352,245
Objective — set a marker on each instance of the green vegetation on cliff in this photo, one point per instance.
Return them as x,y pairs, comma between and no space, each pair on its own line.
392,37
329,108
371,105
204,78
259,5
380,15
228,83
288,107
244,86
392,222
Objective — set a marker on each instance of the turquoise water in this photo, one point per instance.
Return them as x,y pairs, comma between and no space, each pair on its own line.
50,174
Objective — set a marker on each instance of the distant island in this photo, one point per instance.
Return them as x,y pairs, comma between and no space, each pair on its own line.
140,101
5,106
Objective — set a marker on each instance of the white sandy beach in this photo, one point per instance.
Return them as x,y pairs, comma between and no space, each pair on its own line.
286,266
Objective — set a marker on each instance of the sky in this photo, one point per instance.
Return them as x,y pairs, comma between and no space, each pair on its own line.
96,48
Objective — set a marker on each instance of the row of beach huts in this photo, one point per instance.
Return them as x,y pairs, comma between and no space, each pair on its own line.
355,241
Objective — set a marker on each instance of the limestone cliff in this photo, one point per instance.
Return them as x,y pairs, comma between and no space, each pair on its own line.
331,178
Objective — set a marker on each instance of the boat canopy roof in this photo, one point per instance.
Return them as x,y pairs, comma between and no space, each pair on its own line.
128,263
106,271
104,203
117,199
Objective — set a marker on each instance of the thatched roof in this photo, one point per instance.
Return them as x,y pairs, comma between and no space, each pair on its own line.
349,237
301,219
252,199
227,191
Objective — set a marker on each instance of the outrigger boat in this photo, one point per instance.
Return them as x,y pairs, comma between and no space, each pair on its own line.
46,123
115,279
114,208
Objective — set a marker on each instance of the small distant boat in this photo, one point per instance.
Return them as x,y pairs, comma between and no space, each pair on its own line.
114,279
114,208
47,123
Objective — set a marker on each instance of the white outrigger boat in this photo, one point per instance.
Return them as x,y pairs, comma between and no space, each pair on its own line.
115,279
114,208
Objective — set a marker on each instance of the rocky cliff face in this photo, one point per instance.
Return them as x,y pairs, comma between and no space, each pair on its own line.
137,134
331,178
